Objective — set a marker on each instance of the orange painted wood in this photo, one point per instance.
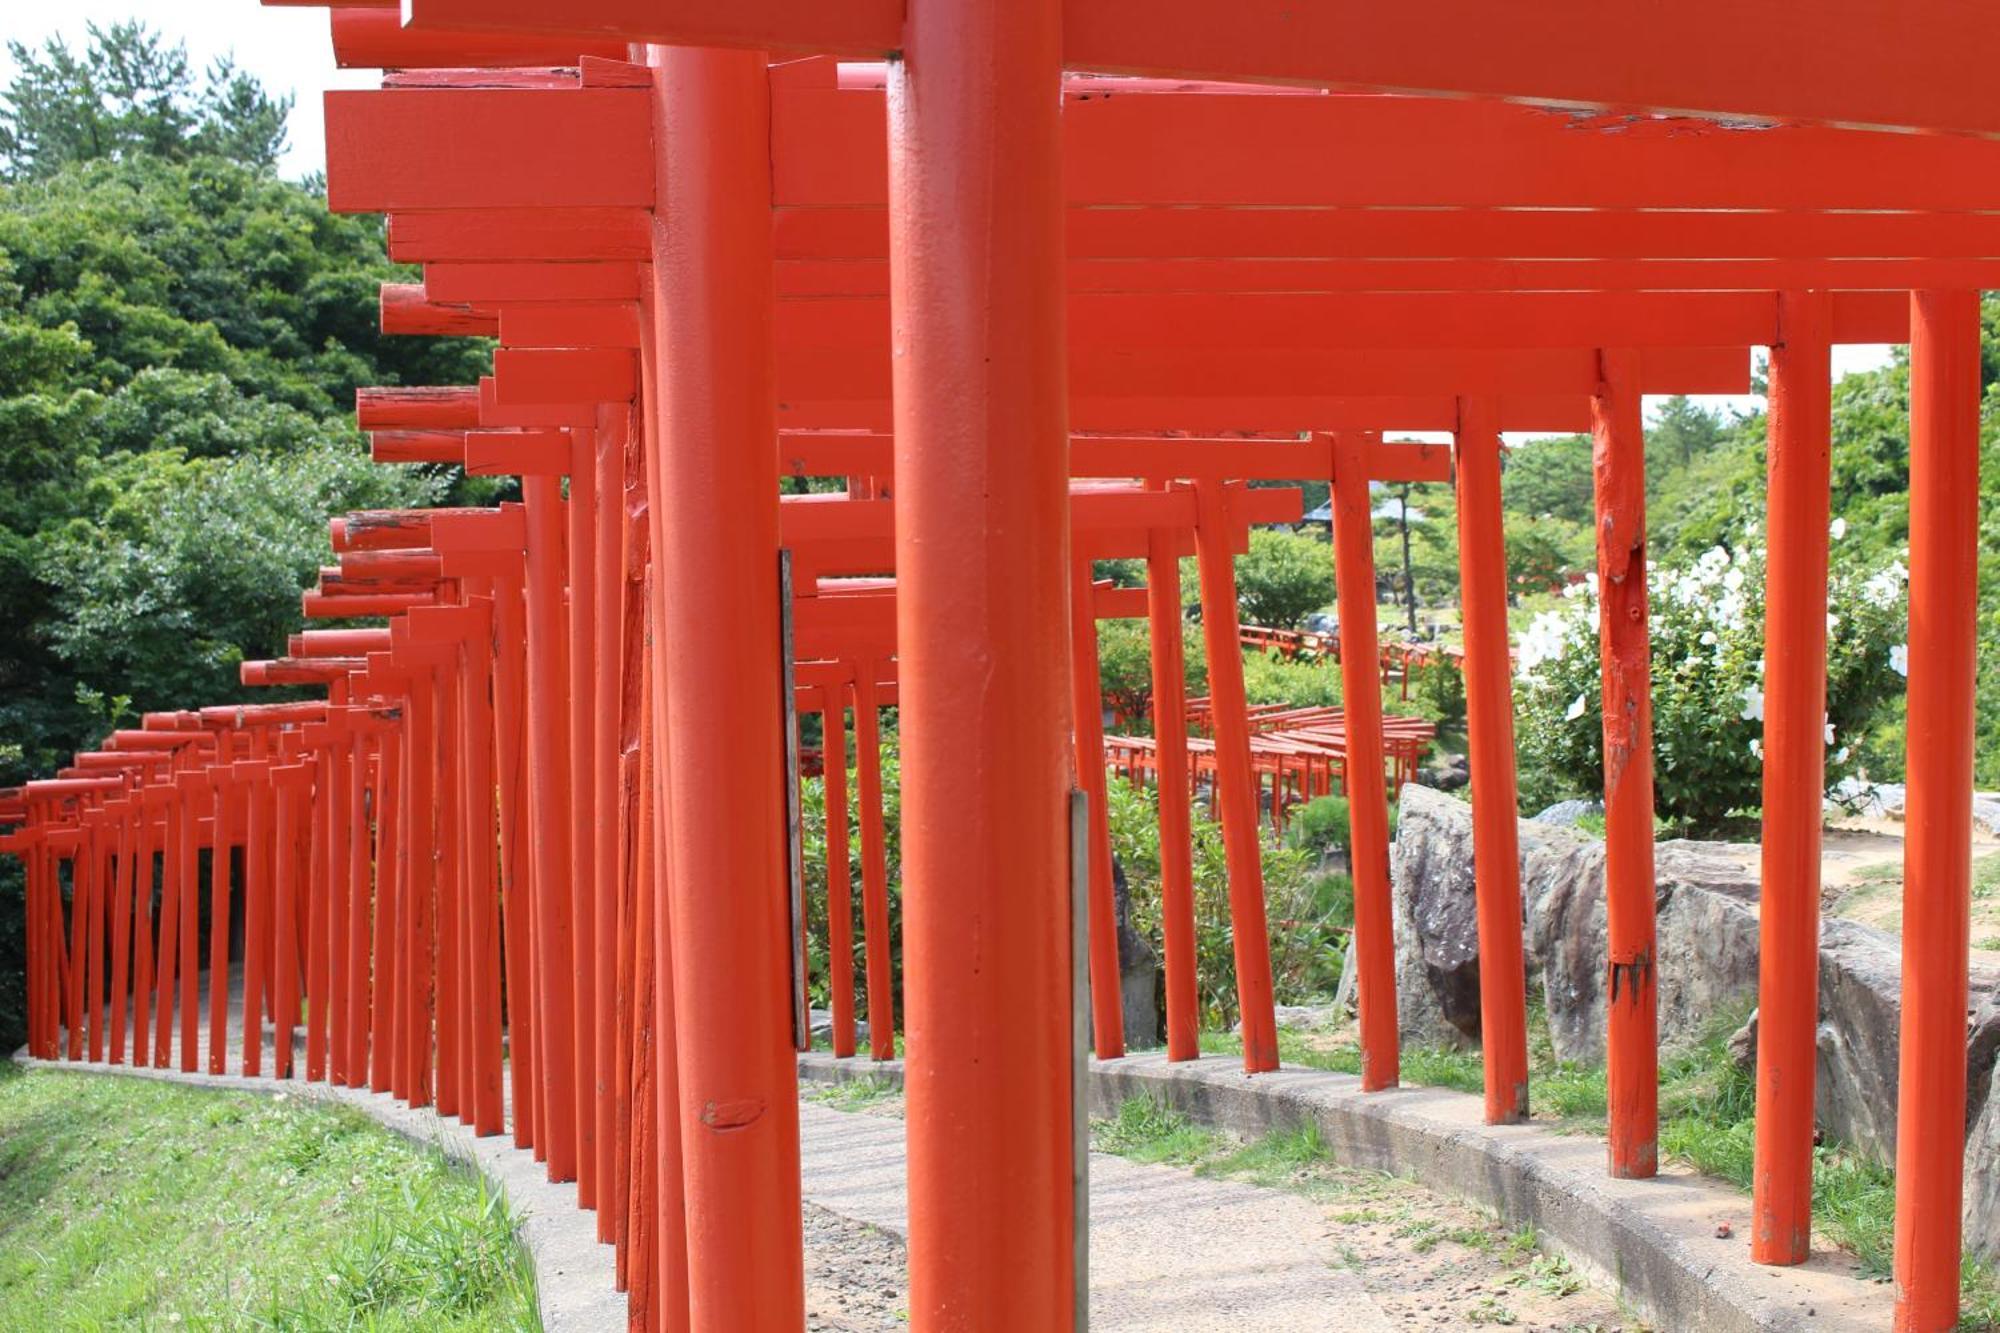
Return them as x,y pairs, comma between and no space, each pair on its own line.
1373,151
416,408
1158,233
491,281
411,148
1912,65
540,376
374,37
536,232
594,324
408,308
844,27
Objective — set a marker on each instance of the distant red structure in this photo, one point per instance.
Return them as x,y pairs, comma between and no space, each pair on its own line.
1034,318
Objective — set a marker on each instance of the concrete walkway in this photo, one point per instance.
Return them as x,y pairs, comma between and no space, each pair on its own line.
1168,1249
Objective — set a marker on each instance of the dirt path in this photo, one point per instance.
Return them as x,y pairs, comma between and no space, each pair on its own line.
1276,1246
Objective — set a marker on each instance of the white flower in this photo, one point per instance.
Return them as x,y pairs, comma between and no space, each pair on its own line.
1832,622
1575,709
1837,529
1899,660
1709,638
1753,704
1756,747
1733,580
1840,755
1885,586
1829,733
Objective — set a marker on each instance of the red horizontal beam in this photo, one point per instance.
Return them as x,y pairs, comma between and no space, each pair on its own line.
558,233
408,308
487,282
375,38
831,150
1136,233
838,27
417,408
417,148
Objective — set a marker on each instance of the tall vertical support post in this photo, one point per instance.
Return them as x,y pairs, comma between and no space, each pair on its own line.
389,858
1801,415
1937,872
167,952
142,930
481,1039
424,837
1235,779
1107,1000
877,947
1489,709
1170,757
508,646
291,784
839,885
1632,1058
256,775
1367,793
607,692
121,920
317,837
360,903
218,916
193,786
714,303
584,810
549,830
982,561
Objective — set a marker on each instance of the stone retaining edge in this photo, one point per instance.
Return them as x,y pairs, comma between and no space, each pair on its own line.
1653,1242
575,1276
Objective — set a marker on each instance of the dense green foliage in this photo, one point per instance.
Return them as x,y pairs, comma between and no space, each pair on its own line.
112,1189
181,336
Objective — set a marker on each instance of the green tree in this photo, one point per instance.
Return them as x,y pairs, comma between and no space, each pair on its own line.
130,94
1285,577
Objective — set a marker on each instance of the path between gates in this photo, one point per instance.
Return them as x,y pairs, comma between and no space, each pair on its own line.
1168,1249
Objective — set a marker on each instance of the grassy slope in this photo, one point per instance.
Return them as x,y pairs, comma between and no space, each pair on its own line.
126,1203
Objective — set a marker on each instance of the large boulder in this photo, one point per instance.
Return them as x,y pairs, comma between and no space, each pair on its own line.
1138,971
1437,929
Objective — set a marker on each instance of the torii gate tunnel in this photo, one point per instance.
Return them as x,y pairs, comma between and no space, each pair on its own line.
1051,284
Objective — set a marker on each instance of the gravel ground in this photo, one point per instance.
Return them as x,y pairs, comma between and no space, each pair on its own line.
855,1276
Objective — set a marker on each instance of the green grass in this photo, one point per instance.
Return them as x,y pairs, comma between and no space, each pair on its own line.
853,1094
133,1204
1144,1130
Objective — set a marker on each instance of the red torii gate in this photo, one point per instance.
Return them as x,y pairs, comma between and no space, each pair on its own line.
965,510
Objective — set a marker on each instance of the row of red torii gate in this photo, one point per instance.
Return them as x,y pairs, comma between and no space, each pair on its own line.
529,859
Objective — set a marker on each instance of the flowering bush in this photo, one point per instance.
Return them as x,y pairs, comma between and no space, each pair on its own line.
1707,622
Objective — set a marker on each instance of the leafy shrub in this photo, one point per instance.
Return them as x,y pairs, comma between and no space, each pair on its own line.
1319,824
1284,577
1306,913
1708,683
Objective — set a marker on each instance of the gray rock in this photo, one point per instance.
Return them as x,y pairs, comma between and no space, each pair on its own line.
1446,772
1138,971
1982,1180
1568,814
1437,934
1311,1017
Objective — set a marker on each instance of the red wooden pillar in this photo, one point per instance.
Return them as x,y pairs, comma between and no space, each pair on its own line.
549,826
481,1038
193,787
516,900
340,887
219,893
1170,760
255,776
1107,1000
389,859
294,789
1632,1069
425,837
877,946
147,841
167,953
319,836
90,914
1794,777
718,630
581,515
443,954
124,886
839,887
982,561
1489,707
1367,797
361,895
1937,879
607,659
1235,780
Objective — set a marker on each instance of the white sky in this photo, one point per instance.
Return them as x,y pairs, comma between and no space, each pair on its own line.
288,49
